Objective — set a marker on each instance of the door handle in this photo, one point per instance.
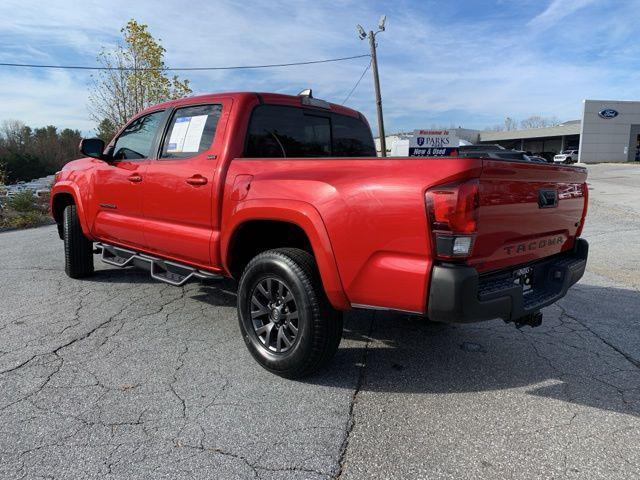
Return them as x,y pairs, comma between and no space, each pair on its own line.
197,180
135,178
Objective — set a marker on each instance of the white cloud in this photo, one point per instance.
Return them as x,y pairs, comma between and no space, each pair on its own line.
472,71
56,98
558,10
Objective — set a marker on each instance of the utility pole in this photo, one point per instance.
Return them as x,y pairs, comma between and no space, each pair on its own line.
376,79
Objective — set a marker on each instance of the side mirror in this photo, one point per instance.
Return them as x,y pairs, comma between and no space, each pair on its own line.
92,147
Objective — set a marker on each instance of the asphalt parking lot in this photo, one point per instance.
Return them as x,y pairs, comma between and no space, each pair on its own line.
122,377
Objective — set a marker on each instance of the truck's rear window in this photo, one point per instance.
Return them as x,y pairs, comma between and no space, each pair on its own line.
279,131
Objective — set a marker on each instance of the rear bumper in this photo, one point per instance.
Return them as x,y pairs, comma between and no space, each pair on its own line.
458,294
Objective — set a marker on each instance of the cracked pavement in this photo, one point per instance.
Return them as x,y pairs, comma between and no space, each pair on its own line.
118,376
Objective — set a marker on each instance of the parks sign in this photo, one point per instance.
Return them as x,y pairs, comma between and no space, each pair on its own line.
433,143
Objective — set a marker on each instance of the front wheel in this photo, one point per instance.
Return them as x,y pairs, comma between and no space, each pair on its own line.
78,249
285,318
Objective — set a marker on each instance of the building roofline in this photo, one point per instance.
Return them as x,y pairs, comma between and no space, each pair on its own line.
556,131
610,101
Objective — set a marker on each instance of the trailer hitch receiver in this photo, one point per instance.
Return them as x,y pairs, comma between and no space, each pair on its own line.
532,319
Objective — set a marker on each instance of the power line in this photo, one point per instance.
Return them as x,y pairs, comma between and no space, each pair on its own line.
357,83
184,69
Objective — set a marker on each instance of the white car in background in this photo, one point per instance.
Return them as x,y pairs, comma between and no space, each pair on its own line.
566,156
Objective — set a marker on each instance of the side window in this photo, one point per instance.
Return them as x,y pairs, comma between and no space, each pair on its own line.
191,131
280,131
352,138
136,140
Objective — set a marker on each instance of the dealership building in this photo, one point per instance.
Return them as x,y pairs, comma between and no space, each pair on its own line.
609,131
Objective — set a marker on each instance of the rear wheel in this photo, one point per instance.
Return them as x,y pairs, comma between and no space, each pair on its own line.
78,249
285,318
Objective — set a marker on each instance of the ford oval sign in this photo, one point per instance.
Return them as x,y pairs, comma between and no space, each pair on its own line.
608,113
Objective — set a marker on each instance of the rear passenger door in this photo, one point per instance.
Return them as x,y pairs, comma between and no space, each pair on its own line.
179,194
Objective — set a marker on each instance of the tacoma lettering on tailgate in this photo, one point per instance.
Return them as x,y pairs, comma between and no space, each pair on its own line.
533,245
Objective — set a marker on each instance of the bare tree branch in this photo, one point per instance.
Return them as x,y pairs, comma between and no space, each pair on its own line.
116,95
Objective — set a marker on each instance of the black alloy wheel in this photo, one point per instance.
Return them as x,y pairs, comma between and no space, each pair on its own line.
285,318
274,314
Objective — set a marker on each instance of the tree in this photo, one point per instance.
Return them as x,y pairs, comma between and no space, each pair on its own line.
27,153
14,134
537,121
106,130
534,121
510,124
136,78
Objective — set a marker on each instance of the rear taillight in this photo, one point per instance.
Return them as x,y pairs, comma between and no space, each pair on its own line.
585,195
453,217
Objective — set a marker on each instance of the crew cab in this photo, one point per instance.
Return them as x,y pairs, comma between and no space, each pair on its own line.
566,156
286,195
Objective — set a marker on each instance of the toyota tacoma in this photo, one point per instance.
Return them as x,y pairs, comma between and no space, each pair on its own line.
286,195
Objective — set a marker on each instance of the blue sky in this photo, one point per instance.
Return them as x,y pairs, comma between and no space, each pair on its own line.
468,63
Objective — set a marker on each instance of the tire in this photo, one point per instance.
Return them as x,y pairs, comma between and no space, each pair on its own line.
78,249
318,327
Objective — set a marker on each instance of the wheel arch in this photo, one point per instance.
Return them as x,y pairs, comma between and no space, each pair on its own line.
276,224
63,196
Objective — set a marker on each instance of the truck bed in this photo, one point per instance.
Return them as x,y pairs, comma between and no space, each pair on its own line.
374,212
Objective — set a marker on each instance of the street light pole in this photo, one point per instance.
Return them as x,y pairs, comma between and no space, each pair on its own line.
376,79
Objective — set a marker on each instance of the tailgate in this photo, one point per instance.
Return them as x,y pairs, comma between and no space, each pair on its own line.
528,211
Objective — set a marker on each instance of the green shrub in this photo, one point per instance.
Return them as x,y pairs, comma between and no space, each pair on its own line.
25,220
23,210
23,202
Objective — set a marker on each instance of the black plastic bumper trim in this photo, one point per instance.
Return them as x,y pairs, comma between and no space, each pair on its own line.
458,294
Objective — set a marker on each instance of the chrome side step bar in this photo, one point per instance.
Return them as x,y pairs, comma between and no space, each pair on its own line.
166,271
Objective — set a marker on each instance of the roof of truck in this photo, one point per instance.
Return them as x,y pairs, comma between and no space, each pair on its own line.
268,98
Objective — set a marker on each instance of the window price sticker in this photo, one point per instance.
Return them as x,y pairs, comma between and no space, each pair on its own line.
186,134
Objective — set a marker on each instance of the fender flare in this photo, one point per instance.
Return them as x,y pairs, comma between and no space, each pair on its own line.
73,190
305,216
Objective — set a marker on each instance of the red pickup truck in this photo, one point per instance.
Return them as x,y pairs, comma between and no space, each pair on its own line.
286,195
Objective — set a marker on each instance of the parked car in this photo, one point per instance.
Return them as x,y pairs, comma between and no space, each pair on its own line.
467,149
496,151
548,156
536,158
566,156
286,195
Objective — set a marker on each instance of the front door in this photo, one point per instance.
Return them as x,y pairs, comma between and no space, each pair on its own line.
179,195
118,183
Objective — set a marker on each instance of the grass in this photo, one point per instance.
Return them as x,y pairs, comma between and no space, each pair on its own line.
24,210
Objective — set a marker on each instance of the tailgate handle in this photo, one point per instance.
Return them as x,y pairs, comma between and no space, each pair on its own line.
547,198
